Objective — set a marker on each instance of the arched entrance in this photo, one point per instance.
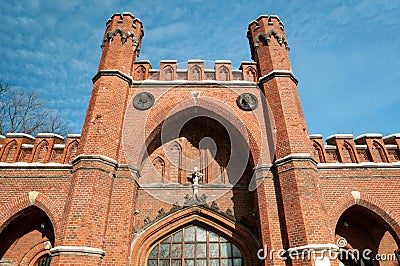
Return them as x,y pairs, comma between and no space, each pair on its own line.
27,239
194,236
365,238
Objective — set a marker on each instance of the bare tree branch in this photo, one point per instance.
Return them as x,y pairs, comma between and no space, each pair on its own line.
25,112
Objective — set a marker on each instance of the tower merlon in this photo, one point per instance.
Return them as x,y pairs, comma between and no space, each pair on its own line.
269,18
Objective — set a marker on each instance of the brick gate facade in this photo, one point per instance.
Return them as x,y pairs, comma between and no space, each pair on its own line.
124,191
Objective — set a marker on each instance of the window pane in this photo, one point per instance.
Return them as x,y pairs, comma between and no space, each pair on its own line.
194,246
176,251
201,234
154,253
189,234
201,250
223,239
164,263
201,263
225,250
152,263
236,252
214,262
164,251
226,262
189,251
214,250
177,237
167,240
213,236
237,262
176,263
189,262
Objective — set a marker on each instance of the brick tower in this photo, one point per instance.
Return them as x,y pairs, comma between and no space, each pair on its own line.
98,214
294,169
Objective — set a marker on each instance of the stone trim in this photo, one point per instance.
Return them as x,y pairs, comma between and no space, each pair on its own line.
295,157
36,166
99,158
314,247
112,72
19,135
77,251
150,83
358,165
49,135
278,73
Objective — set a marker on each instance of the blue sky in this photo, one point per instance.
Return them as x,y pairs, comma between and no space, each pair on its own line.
346,54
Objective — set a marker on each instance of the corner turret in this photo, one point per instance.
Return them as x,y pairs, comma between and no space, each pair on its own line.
121,43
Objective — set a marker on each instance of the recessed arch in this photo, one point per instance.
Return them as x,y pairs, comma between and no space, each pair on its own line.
10,152
371,205
237,234
37,199
319,152
28,234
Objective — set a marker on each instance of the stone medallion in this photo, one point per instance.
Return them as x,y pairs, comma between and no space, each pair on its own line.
143,101
247,101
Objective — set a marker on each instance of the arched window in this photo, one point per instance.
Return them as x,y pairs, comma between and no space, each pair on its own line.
194,245
43,260
196,73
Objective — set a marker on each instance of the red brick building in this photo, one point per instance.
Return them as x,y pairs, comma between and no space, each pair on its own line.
192,165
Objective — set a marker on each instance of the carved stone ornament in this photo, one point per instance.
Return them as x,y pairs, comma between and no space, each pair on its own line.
247,101
267,37
109,37
143,101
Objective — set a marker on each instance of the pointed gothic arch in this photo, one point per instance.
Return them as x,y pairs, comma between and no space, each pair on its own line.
319,153
10,152
168,73
159,165
351,154
71,151
223,73
378,152
140,73
195,73
145,239
251,74
41,154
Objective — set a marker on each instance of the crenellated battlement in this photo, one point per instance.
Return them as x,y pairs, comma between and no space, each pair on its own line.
269,18
195,70
45,148
367,148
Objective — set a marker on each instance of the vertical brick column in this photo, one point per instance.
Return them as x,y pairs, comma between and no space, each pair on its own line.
94,216
301,210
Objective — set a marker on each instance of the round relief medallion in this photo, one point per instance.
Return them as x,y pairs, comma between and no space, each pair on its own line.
247,101
143,101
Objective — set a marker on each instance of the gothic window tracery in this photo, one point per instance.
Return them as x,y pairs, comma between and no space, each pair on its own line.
195,245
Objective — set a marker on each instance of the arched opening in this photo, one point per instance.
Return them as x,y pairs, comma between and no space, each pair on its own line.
168,73
195,245
140,73
195,72
202,142
223,73
363,235
28,238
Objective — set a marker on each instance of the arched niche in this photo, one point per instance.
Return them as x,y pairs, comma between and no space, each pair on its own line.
210,143
360,228
27,238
